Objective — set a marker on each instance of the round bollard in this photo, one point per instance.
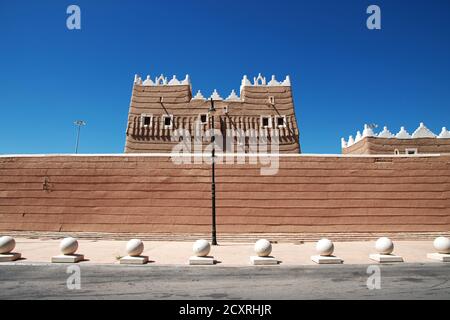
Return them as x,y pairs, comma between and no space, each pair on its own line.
384,246
263,248
442,245
7,244
68,246
325,247
201,248
135,247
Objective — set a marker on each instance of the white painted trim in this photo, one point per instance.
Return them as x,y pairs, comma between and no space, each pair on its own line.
143,115
270,121
164,121
284,121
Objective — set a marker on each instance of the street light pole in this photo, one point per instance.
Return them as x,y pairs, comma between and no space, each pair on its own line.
213,177
79,124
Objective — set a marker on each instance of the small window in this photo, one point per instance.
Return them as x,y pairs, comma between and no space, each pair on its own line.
168,121
203,118
146,120
396,152
281,121
272,100
266,122
411,151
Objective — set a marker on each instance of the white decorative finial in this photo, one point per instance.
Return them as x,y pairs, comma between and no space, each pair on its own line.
445,134
186,81
403,134
233,96
351,141
215,95
385,134
286,82
368,132
343,143
159,81
137,79
259,81
423,132
358,136
198,96
273,82
148,81
174,81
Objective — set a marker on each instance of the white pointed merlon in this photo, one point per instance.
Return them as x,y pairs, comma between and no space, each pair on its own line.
351,141
358,136
186,81
174,81
245,81
260,80
161,80
423,132
273,82
198,96
445,134
233,97
343,143
386,134
403,134
215,95
286,82
368,132
148,81
137,79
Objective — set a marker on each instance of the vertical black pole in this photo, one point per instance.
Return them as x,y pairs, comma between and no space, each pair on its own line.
213,179
78,139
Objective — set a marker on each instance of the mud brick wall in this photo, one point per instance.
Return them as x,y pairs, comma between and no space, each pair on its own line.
143,193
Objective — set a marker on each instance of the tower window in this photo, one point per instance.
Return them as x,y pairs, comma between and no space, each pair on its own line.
168,121
266,122
411,151
203,118
146,120
272,100
281,121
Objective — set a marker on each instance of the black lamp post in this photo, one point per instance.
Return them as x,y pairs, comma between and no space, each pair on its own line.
79,124
213,177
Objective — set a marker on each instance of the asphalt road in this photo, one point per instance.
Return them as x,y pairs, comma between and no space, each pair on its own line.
403,281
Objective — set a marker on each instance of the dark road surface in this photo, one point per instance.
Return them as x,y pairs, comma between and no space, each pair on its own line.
403,281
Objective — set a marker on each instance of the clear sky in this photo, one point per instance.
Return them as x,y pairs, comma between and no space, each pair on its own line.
343,75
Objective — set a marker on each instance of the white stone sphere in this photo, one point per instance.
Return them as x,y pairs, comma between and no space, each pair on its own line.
325,247
135,247
263,248
7,244
442,245
201,248
384,245
68,245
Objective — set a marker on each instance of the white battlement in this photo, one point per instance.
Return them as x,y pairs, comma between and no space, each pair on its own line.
421,132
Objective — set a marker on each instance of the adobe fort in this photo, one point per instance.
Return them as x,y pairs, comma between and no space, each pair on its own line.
382,182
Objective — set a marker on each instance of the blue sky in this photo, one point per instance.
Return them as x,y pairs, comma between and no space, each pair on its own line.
343,74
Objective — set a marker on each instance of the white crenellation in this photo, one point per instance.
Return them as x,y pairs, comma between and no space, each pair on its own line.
386,133
233,97
162,81
368,131
421,132
215,95
445,134
403,134
198,96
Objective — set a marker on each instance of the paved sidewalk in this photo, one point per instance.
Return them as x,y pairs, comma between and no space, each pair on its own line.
227,254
